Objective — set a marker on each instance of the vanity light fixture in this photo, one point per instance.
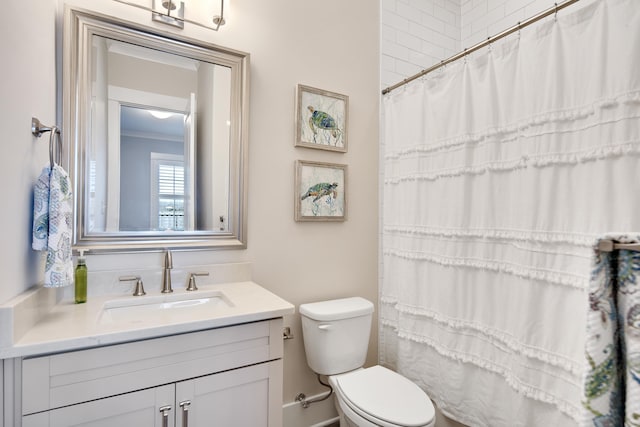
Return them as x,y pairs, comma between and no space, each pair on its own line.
171,12
218,20
171,6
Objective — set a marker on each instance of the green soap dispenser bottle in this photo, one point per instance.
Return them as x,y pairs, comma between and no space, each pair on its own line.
81,279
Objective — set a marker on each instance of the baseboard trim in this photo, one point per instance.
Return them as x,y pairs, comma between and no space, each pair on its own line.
327,422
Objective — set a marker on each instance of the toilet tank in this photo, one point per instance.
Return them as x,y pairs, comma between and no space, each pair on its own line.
336,334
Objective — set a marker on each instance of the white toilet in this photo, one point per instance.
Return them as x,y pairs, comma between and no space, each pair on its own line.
336,338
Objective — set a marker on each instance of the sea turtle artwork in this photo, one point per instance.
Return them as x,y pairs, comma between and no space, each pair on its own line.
320,190
324,121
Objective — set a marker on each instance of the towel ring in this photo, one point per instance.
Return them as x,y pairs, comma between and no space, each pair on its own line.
55,153
37,128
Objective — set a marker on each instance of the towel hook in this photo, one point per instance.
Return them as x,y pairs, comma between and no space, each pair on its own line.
55,153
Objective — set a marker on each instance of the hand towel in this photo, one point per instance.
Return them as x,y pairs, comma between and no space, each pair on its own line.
41,211
52,225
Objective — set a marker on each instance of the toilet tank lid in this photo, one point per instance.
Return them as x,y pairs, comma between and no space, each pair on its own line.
337,309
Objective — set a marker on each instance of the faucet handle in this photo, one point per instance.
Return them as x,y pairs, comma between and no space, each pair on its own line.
139,291
192,280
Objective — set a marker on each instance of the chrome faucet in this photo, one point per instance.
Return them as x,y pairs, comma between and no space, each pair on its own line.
166,273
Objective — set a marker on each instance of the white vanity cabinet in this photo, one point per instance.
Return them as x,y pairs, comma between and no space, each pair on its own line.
138,408
227,377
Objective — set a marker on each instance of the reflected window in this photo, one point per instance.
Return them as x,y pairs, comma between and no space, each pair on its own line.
167,202
146,142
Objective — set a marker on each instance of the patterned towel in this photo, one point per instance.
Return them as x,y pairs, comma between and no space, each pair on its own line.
52,216
611,394
41,211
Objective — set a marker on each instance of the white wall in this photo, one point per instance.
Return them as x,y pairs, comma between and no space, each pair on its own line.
485,18
333,47
28,89
419,33
416,34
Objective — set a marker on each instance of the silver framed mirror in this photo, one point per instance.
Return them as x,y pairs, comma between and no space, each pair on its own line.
156,127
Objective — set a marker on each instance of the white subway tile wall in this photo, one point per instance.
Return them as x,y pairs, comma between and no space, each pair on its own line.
416,34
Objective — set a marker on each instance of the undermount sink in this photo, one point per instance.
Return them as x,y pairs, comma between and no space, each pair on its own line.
172,307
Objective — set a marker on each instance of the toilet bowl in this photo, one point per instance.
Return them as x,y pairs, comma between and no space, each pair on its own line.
377,396
336,337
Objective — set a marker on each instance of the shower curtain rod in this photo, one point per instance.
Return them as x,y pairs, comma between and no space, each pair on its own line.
488,41
611,245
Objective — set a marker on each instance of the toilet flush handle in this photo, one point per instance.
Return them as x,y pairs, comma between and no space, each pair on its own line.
325,326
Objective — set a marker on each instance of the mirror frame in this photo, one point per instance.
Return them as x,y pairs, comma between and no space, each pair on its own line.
79,27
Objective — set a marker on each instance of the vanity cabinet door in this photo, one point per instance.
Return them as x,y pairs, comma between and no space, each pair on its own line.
140,409
248,396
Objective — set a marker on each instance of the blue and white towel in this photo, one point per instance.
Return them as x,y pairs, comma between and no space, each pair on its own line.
611,391
52,216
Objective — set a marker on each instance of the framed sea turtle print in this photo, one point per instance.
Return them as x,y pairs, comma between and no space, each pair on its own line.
321,119
320,191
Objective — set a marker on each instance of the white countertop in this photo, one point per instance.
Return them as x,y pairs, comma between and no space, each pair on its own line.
69,326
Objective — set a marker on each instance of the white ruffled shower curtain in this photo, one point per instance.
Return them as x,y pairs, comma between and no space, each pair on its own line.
500,173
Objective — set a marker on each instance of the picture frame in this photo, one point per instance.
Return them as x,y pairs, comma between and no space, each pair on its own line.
322,119
320,191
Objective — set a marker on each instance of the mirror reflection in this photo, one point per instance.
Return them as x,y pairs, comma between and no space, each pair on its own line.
148,102
152,154
157,127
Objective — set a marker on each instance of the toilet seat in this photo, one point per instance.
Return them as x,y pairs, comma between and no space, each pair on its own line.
385,398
